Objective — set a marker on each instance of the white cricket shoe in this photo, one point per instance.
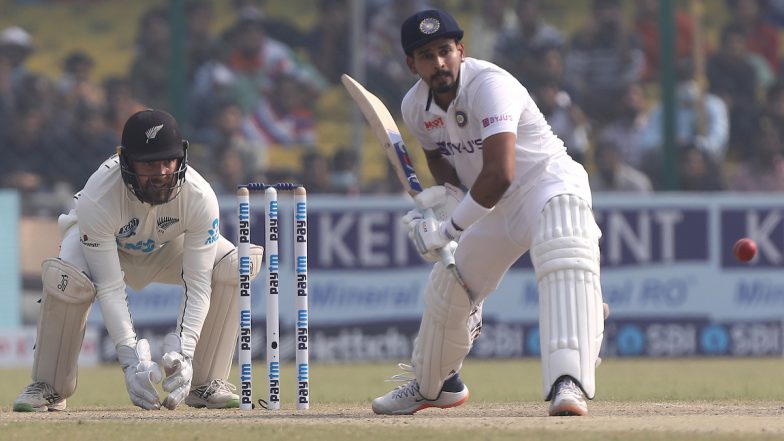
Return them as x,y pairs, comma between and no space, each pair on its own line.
406,400
216,394
38,397
568,399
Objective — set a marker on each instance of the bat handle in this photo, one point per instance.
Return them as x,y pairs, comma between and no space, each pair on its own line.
447,258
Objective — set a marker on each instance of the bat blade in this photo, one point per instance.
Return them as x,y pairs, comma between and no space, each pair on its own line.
386,131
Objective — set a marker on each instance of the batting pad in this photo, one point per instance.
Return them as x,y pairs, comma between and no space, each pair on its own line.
445,334
571,315
215,348
67,296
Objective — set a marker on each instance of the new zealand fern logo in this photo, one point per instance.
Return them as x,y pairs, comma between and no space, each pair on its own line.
152,132
166,222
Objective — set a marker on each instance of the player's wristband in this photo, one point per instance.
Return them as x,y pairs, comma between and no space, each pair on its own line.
468,212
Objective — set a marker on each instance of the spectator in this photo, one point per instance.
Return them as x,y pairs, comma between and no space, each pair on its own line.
120,102
285,118
256,61
344,175
77,90
704,127
6,93
774,107
493,19
516,47
88,142
603,59
226,132
732,77
647,27
201,43
565,118
28,151
329,41
763,168
315,172
698,171
625,131
614,174
17,46
387,74
761,37
149,73
276,28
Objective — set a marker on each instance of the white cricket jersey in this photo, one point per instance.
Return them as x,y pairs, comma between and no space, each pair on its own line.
489,100
112,220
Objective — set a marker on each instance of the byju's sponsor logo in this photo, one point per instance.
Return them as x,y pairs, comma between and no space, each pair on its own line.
487,122
128,229
166,222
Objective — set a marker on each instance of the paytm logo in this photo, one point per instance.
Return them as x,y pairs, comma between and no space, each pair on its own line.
764,226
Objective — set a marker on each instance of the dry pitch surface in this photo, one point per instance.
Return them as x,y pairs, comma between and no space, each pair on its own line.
731,400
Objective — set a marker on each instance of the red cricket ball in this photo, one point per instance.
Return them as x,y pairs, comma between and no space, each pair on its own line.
745,249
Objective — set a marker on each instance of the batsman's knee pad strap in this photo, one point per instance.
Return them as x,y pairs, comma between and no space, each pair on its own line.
445,334
571,314
67,296
215,348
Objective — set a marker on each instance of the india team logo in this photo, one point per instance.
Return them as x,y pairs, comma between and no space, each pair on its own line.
460,118
429,26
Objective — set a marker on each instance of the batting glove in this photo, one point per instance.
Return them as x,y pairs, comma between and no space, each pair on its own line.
141,374
430,234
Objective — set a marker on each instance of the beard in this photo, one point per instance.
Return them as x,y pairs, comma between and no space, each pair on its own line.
443,82
158,190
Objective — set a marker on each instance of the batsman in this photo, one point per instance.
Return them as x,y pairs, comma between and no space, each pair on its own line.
144,216
482,132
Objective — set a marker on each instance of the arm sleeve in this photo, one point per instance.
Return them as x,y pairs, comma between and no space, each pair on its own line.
100,251
200,246
499,104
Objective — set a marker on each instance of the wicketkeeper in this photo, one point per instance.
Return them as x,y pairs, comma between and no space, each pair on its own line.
482,131
144,216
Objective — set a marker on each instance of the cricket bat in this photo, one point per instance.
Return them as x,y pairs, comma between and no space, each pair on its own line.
386,130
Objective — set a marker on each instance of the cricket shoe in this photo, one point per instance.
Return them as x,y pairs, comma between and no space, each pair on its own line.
568,398
216,394
406,399
38,397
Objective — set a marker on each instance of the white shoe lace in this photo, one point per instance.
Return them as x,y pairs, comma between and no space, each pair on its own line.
411,388
42,389
570,387
215,386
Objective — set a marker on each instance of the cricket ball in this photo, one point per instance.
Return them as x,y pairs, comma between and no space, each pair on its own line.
745,249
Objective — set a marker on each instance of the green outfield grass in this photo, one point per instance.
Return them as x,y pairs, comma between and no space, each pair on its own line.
650,399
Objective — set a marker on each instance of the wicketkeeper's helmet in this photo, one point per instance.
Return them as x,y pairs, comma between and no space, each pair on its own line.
152,135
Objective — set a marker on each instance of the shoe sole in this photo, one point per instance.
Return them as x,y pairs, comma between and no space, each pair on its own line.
568,410
24,407
231,404
455,404
426,405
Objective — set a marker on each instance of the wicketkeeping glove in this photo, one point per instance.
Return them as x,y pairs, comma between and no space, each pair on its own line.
179,371
141,374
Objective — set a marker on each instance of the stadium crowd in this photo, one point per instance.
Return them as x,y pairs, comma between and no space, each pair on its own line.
252,87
